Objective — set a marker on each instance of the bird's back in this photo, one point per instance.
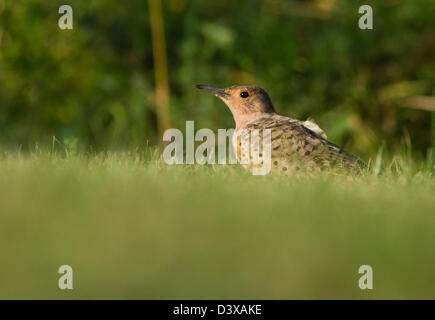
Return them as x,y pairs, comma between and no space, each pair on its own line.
294,145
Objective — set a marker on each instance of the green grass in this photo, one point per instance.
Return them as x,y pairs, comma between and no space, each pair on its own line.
133,227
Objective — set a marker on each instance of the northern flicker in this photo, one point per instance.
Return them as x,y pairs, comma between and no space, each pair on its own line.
294,143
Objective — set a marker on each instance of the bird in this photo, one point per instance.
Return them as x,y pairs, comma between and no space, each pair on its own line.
294,145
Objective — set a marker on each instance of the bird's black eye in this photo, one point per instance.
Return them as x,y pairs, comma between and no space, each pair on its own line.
244,94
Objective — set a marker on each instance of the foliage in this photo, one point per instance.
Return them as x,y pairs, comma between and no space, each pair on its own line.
95,83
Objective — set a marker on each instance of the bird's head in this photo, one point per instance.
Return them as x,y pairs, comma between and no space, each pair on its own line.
246,102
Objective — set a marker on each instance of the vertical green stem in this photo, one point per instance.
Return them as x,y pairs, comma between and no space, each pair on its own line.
160,66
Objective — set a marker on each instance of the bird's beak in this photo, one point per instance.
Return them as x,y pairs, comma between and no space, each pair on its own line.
216,91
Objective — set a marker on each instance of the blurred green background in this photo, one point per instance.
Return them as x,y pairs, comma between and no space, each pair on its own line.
95,84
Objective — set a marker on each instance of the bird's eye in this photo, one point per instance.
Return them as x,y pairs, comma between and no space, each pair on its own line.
244,94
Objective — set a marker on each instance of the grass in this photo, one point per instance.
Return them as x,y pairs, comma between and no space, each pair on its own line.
132,227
